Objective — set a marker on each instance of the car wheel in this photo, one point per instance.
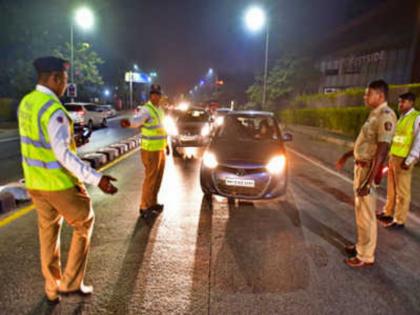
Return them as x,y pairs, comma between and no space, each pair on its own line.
104,123
90,125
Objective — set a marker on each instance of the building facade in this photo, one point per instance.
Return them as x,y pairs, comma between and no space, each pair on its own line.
382,44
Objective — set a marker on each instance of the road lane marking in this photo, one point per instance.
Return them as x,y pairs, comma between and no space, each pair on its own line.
16,215
411,216
9,139
21,212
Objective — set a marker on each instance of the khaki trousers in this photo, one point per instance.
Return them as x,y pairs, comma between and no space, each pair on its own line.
74,205
398,190
366,225
154,165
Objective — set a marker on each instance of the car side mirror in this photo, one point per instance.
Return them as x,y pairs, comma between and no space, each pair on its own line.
287,137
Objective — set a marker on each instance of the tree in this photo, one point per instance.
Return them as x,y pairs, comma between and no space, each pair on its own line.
289,76
85,67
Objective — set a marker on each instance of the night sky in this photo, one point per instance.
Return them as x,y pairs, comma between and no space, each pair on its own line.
181,39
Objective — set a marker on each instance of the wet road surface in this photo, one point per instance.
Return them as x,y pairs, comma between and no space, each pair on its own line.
200,257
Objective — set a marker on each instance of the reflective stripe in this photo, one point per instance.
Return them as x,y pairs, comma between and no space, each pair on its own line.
43,109
152,108
38,163
35,143
154,137
153,127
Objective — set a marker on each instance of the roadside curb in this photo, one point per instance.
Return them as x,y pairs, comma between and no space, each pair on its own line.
12,194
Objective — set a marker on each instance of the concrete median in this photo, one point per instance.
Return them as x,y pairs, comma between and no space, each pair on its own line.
13,193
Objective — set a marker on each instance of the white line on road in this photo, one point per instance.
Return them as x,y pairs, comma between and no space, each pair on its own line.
341,176
9,139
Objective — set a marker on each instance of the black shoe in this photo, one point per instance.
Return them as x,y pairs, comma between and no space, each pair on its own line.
384,218
158,208
351,250
146,213
394,226
56,301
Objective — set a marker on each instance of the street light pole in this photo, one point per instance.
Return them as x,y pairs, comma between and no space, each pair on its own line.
267,39
72,55
131,90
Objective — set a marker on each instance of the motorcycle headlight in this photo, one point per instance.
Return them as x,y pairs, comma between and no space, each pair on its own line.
277,164
220,120
209,160
205,131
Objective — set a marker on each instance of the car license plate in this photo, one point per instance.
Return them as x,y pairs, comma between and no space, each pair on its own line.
240,182
188,138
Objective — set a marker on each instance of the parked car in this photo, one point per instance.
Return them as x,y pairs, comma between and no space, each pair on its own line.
246,158
109,110
88,114
190,128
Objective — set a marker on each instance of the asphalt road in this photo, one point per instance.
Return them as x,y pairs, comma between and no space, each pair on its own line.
10,159
279,257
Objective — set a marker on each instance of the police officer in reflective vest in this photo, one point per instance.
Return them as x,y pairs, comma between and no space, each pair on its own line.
53,176
370,151
405,150
153,146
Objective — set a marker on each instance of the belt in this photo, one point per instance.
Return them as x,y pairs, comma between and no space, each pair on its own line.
362,163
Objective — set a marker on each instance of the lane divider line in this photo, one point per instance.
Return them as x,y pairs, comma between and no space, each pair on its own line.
411,216
9,139
21,212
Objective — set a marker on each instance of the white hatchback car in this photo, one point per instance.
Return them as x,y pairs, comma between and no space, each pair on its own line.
87,114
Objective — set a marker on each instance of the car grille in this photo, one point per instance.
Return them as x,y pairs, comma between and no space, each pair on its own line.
259,175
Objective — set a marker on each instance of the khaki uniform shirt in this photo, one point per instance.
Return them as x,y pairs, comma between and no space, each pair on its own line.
379,127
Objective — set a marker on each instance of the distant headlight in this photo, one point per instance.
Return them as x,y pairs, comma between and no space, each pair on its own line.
209,160
205,131
277,164
170,126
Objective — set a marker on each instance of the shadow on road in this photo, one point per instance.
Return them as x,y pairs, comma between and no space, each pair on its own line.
261,251
133,260
199,298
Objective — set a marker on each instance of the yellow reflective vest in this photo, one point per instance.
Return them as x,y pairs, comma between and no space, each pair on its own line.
153,133
404,135
41,169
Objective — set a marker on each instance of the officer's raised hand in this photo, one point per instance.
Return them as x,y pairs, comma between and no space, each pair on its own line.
125,123
106,186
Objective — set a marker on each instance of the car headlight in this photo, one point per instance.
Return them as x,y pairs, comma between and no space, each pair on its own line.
170,126
209,160
205,131
277,164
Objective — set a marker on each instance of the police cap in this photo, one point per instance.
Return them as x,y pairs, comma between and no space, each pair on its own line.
50,64
155,89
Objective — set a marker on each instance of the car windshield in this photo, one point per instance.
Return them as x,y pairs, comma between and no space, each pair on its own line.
249,127
194,116
73,108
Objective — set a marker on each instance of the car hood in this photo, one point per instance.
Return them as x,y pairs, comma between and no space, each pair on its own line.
247,152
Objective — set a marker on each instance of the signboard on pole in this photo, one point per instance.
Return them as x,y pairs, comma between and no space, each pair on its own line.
72,90
137,77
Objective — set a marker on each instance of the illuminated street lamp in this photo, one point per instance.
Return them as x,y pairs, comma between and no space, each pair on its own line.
255,20
83,18
107,92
